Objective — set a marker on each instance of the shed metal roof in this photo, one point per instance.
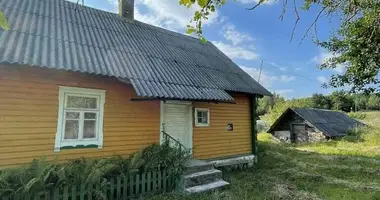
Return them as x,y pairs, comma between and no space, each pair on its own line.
158,62
331,123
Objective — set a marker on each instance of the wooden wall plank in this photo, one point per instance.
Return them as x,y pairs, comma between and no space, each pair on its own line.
215,141
29,112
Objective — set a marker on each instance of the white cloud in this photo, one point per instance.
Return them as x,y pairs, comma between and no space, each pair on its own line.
284,92
323,56
282,68
168,14
322,79
165,13
265,79
284,78
298,69
230,33
236,52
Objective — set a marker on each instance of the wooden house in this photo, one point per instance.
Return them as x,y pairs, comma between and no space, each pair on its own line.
80,82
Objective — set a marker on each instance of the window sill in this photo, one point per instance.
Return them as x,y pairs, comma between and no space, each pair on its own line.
202,125
93,146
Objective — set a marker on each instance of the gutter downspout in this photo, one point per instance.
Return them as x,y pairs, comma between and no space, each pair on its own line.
253,108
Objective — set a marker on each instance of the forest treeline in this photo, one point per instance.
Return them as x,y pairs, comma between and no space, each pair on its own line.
338,100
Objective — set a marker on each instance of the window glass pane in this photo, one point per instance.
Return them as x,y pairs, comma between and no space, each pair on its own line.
89,129
72,115
71,129
81,102
89,115
199,119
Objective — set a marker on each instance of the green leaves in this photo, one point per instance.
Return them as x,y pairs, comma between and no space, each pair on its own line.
202,3
187,3
3,22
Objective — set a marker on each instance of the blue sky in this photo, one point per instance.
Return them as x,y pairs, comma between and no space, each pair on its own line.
247,37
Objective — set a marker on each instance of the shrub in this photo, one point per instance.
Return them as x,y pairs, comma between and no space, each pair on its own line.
354,135
158,157
261,126
357,115
42,175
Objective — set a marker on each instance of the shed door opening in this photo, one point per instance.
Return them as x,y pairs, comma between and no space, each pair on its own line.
299,133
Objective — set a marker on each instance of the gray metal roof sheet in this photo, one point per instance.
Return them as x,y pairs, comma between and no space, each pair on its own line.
52,34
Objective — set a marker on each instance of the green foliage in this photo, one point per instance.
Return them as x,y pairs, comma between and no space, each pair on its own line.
281,106
321,101
341,101
373,102
158,157
3,21
357,115
42,175
266,103
355,135
355,47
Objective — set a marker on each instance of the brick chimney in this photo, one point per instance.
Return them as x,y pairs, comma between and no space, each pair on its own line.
126,8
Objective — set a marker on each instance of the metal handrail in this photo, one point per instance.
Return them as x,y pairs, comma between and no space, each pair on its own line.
168,138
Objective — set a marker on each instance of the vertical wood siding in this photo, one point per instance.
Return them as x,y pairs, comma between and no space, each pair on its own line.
29,112
216,141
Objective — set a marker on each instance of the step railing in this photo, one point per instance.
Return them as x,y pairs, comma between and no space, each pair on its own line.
171,141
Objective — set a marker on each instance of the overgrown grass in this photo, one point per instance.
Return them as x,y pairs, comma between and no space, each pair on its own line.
334,170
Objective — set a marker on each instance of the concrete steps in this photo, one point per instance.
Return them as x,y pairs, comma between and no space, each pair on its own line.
201,176
207,187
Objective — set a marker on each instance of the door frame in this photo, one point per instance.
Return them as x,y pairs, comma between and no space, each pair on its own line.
293,135
190,118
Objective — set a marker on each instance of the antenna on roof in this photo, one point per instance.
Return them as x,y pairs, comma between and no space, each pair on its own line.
261,67
78,4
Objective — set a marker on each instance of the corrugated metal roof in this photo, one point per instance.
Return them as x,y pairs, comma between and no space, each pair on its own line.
52,34
180,92
331,123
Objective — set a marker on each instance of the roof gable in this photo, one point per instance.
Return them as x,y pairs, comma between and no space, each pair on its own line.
53,34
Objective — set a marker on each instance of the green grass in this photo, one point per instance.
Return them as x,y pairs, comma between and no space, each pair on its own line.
336,170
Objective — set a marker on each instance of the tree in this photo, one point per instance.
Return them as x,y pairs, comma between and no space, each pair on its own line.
355,45
341,101
3,21
360,101
268,102
320,101
373,102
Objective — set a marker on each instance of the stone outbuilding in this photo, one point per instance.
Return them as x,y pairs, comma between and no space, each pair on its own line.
300,125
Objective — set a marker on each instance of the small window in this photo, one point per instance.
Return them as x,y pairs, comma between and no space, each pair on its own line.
80,118
202,117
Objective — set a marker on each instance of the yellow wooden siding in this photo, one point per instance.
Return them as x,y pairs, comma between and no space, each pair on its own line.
29,112
215,141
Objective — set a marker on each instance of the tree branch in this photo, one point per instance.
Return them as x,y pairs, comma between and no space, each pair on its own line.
297,19
255,6
313,24
285,3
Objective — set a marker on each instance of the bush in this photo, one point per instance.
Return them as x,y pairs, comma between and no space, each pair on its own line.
158,157
42,175
261,126
355,135
357,115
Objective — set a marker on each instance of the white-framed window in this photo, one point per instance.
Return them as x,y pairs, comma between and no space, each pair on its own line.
202,117
80,117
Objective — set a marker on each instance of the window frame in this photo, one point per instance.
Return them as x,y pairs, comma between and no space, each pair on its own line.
64,92
196,117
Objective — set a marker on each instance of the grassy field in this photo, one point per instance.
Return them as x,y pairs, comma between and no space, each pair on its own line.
336,170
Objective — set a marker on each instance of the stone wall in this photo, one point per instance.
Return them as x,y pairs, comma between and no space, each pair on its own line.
283,136
315,135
